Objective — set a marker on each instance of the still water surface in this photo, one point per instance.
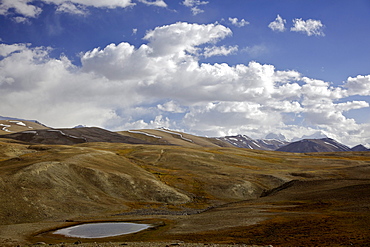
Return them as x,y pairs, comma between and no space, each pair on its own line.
101,230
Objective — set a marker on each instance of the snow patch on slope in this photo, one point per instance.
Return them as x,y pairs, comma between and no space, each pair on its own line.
174,133
143,133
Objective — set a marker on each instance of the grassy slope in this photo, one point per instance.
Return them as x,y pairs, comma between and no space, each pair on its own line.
50,183
175,138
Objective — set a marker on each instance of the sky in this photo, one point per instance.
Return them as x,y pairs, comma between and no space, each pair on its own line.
300,68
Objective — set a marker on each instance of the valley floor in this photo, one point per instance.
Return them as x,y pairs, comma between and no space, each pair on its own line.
306,213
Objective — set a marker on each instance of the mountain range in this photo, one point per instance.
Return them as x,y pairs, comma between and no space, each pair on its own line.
35,132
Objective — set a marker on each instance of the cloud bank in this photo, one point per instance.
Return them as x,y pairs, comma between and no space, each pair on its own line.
163,84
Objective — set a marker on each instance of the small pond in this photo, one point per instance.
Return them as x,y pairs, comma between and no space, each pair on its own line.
101,230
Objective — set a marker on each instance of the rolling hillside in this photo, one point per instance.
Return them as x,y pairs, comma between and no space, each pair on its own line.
58,183
191,188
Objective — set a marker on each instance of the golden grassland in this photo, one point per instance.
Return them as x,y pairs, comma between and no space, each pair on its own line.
192,193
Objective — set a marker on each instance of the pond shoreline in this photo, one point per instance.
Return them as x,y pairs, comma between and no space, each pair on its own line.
101,230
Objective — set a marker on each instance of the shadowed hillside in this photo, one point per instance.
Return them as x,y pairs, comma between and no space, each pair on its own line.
315,145
72,136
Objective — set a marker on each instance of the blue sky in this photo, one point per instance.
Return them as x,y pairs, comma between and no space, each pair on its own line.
205,67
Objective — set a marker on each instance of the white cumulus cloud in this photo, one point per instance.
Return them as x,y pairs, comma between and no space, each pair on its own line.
278,24
235,21
359,85
158,3
193,5
71,8
23,7
184,36
5,50
21,19
309,27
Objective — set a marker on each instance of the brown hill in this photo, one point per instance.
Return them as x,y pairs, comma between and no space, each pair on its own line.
193,193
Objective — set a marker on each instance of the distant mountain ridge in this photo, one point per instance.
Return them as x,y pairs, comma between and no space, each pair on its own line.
39,134
20,119
314,145
360,147
300,146
243,141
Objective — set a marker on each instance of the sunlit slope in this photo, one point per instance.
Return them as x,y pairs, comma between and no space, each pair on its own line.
53,182
39,182
170,137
